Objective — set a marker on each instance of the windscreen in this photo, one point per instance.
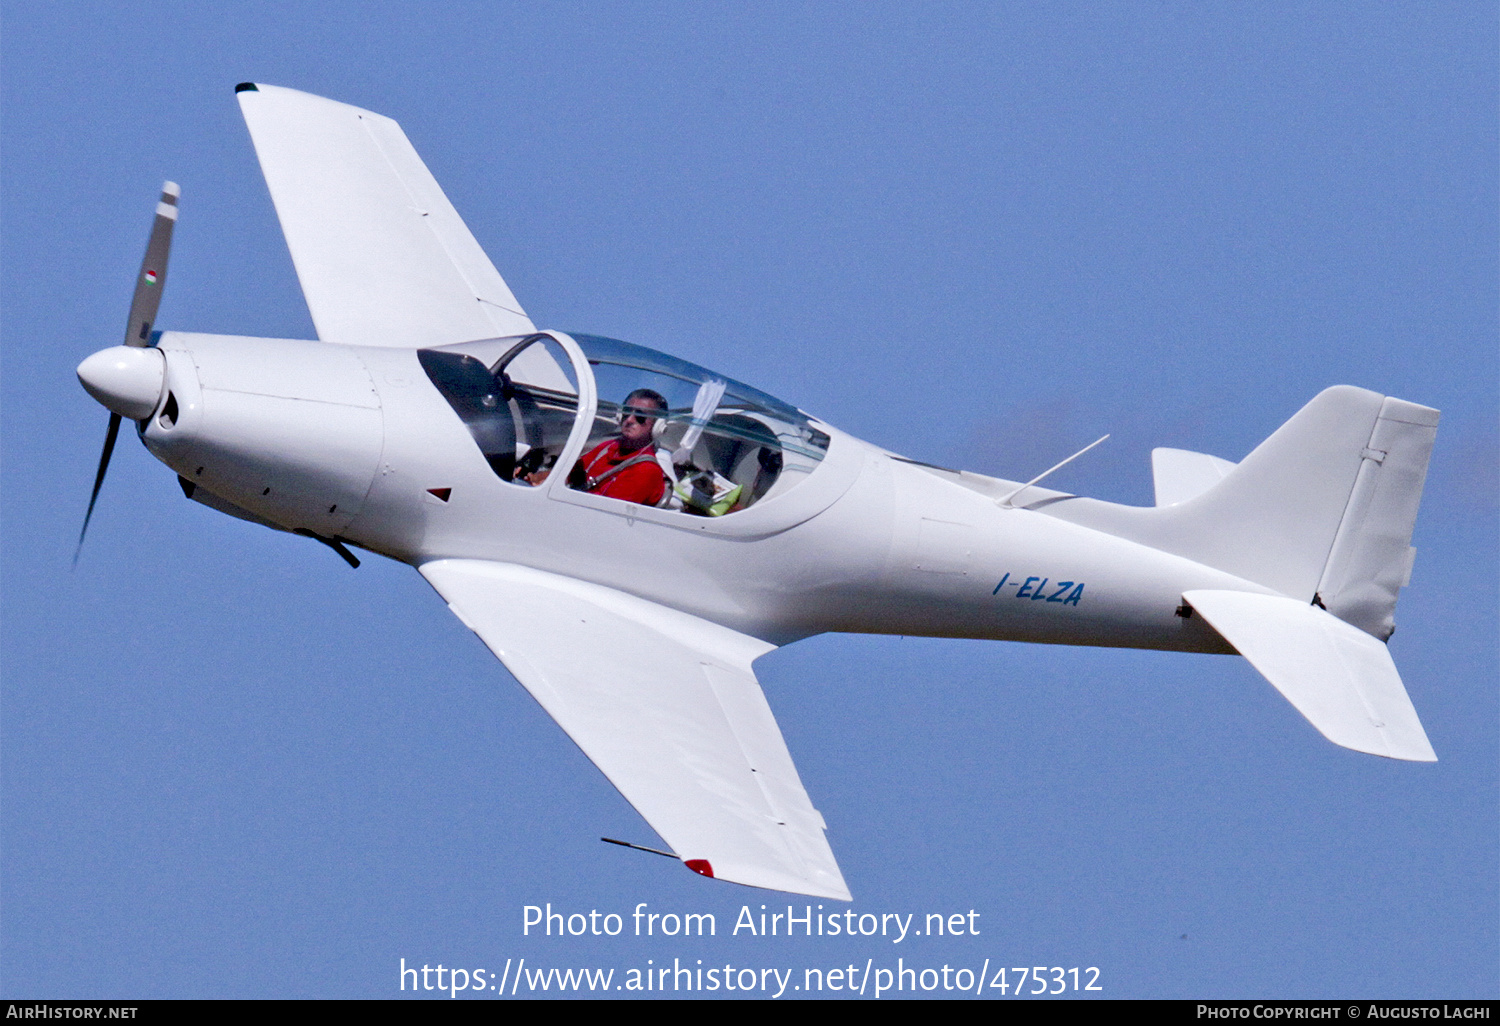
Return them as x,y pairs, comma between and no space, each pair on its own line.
517,397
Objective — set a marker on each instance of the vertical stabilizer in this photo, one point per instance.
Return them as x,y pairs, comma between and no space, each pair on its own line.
1322,511
1273,517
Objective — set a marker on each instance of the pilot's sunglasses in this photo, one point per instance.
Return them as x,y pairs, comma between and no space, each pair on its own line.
643,418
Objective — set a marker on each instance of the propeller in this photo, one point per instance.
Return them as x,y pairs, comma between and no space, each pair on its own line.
123,381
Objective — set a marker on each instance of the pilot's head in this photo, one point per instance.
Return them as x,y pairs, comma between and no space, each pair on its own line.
641,418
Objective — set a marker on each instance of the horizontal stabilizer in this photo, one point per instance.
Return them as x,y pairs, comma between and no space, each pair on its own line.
1181,474
1339,677
667,706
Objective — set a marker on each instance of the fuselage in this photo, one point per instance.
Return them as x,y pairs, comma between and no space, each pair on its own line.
357,444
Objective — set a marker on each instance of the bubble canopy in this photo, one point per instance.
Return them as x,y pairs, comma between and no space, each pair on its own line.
715,446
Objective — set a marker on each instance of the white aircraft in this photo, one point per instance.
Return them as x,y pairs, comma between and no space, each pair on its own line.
628,532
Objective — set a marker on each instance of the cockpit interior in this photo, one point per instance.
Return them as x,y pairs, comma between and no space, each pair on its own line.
721,445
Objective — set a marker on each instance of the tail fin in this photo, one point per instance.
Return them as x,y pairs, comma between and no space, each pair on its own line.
1322,511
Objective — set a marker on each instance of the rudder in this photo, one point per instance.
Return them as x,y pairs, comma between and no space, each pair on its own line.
1372,557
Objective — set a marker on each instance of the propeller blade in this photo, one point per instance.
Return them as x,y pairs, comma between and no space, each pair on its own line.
109,448
153,276
143,307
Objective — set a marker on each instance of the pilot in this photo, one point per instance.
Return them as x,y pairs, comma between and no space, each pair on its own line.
626,467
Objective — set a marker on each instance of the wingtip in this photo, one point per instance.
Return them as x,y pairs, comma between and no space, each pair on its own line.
247,87
1416,752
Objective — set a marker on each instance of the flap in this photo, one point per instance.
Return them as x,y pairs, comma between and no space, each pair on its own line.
667,706
383,258
1339,677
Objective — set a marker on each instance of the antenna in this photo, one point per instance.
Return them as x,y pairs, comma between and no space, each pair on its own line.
1006,502
638,847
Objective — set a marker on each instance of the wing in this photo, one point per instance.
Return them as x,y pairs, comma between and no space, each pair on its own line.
382,256
667,706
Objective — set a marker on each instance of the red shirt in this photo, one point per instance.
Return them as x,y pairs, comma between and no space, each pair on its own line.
643,483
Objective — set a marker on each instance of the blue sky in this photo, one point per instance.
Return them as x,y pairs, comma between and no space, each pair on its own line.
977,234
